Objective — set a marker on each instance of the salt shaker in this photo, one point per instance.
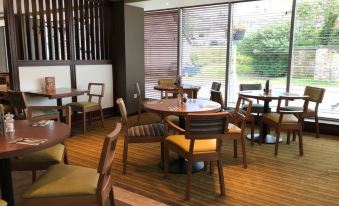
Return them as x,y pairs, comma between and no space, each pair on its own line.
9,122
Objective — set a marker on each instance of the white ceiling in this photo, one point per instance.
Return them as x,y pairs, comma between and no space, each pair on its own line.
166,4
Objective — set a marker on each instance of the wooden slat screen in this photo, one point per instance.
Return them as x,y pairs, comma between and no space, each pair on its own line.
161,48
43,30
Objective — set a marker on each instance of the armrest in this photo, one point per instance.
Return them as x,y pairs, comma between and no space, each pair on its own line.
173,126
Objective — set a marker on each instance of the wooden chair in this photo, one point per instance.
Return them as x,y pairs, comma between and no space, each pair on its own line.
216,96
140,100
167,82
256,107
138,134
69,185
43,159
286,120
20,106
90,105
316,95
235,133
216,86
202,141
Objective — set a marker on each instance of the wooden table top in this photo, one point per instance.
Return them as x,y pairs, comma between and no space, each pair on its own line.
259,94
175,88
57,93
54,132
170,106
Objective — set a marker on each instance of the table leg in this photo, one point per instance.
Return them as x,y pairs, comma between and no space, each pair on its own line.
6,181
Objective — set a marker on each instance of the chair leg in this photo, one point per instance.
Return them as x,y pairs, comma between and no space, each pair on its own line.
221,178
252,131
288,137
243,148
189,179
235,148
33,175
277,142
166,160
261,132
89,119
139,112
124,158
316,125
84,123
301,147
111,197
294,135
211,167
102,118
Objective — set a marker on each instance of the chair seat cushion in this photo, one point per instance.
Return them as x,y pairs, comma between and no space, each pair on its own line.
64,180
53,154
294,108
256,108
174,119
3,203
147,130
287,118
233,129
84,105
37,113
199,145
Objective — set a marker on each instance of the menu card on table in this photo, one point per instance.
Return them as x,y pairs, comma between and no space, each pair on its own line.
50,83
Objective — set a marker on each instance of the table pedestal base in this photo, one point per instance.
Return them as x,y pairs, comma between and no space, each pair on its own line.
6,181
179,166
270,139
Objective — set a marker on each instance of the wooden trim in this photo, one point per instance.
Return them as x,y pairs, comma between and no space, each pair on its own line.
82,32
76,29
35,29
41,29
91,34
27,30
55,31
49,29
61,29
43,62
97,34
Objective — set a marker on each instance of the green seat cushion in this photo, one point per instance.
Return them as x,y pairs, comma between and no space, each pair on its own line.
52,154
3,203
38,113
85,105
256,108
64,180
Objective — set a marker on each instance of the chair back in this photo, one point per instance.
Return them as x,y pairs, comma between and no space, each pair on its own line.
216,86
137,88
96,90
166,81
67,111
18,102
206,125
122,109
216,96
315,94
104,186
241,114
243,87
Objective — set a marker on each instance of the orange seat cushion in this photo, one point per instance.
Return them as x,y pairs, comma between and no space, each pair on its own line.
208,145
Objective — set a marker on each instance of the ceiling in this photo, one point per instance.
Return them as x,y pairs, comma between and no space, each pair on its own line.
167,4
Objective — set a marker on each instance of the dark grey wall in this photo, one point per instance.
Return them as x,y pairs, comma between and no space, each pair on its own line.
134,45
3,54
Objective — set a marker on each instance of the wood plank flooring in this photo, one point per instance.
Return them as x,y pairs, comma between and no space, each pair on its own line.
287,179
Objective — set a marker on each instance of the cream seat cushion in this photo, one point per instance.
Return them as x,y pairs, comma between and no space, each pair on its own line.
287,118
52,154
64,180
3,203
232,129
199,145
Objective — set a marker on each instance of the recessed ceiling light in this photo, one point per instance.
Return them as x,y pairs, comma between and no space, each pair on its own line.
167,3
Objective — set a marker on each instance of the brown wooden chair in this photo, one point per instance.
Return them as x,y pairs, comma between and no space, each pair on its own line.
202,141
20,106
316,95
286,120
257,108
43,159
69,185
216,96
140,100
91,105
138,134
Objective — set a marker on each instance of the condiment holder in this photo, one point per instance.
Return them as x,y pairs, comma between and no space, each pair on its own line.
9,123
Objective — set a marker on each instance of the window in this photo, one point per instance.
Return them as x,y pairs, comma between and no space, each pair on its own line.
161,49
204,46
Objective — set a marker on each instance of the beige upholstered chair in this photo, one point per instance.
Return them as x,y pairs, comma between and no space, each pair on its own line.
69,185
202,141
19,104
138,134
43,159
91,105
284,120
316,95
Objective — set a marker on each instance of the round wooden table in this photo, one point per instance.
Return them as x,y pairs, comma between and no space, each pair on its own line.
170,107
187,88
54,133
267,98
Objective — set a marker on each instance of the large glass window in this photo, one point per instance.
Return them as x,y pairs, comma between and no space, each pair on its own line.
316,52
161,49
260,43
204,46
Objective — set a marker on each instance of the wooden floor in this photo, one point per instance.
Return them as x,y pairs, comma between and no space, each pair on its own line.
287,179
